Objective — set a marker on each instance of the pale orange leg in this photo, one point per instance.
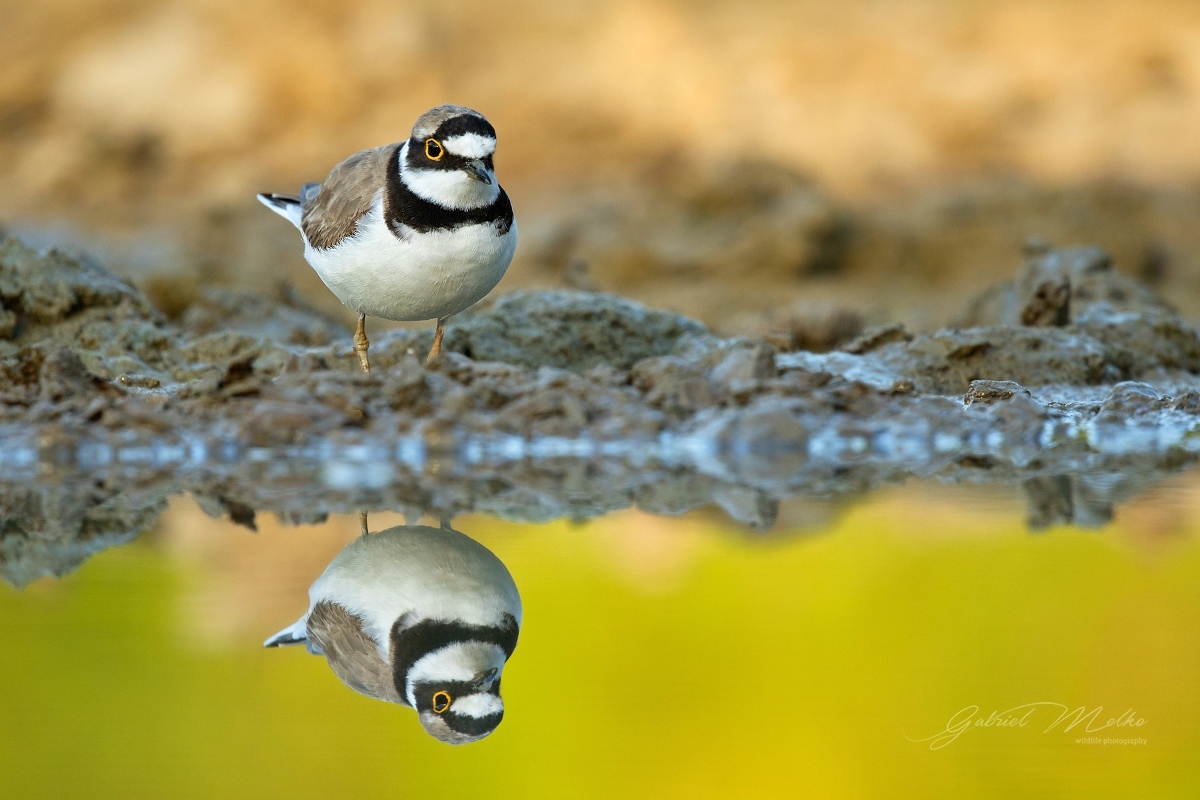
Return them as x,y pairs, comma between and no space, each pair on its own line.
362,522
361,344
437,339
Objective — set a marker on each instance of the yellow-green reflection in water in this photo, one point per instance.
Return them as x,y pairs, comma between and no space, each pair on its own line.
659,658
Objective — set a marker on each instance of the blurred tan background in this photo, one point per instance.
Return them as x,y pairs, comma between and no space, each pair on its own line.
809,165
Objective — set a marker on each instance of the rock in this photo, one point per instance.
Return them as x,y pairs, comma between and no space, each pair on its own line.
1094,282
876,337
1008,421
1064,500
1044,290
217,506
1048,501
1138,344
674,493
284,319
814,327
107,324
751,507
948,361
49,372
988,392
677,386
1129,399
1187,401
62,374
743,369
48,289
1057,286
764,441
569,330
560,406
866,370
8,323
51,529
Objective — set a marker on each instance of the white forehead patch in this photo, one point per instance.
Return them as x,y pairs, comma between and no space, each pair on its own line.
470,145
479,705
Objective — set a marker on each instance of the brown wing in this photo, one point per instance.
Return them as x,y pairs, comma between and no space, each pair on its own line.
351,653
344,197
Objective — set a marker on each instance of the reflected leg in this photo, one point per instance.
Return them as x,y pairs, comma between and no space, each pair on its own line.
437,339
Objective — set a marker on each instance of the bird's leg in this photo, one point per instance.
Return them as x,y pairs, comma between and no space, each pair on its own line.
445,523
361,344
437,339
362,521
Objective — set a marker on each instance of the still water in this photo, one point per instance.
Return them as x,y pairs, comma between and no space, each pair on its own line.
921,641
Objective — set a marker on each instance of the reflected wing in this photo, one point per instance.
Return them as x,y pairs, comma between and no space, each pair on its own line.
351,653
333,213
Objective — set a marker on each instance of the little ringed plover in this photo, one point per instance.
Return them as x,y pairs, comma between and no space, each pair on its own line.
409,231
422,617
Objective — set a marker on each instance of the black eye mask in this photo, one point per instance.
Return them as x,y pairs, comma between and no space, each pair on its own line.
411,644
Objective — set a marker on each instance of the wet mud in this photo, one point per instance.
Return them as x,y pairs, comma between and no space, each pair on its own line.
1074,382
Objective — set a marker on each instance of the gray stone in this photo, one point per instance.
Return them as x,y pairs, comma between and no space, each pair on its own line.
988,392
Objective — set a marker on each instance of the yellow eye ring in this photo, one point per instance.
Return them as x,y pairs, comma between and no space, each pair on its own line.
441,701
434,150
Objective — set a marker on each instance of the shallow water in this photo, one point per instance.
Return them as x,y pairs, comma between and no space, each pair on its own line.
827,644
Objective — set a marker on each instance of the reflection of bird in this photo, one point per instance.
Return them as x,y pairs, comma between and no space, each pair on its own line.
423,617
410,231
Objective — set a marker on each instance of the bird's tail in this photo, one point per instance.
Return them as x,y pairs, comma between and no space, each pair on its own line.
296,633
285,205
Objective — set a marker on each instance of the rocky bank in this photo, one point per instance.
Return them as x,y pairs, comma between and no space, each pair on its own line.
1073,380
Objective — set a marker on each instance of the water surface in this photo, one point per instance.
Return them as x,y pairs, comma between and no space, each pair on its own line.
834,655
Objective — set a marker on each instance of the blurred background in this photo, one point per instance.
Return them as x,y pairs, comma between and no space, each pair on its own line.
804,166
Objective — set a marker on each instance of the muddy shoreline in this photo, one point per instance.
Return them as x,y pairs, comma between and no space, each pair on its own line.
1079,385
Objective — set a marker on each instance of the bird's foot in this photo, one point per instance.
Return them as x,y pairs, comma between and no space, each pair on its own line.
362,522
361,345
437,340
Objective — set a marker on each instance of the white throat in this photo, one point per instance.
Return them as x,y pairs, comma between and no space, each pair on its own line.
448,188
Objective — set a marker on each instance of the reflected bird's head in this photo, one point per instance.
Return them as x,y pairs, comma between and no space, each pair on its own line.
458,712
450,673
448,159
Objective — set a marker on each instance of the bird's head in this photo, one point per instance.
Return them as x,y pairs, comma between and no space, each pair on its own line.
457,711
448,158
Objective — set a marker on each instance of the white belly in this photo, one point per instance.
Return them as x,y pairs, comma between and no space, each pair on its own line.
429,573
423,276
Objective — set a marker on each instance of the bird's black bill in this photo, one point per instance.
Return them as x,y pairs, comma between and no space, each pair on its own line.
485,681
477,170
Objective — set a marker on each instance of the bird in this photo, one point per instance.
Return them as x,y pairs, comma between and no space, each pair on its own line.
415,230
418,616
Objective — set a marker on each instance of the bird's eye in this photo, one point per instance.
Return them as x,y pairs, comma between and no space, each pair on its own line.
434,150
441,701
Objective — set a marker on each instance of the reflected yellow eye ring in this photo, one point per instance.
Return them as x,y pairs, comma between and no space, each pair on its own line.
441,701
434,150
